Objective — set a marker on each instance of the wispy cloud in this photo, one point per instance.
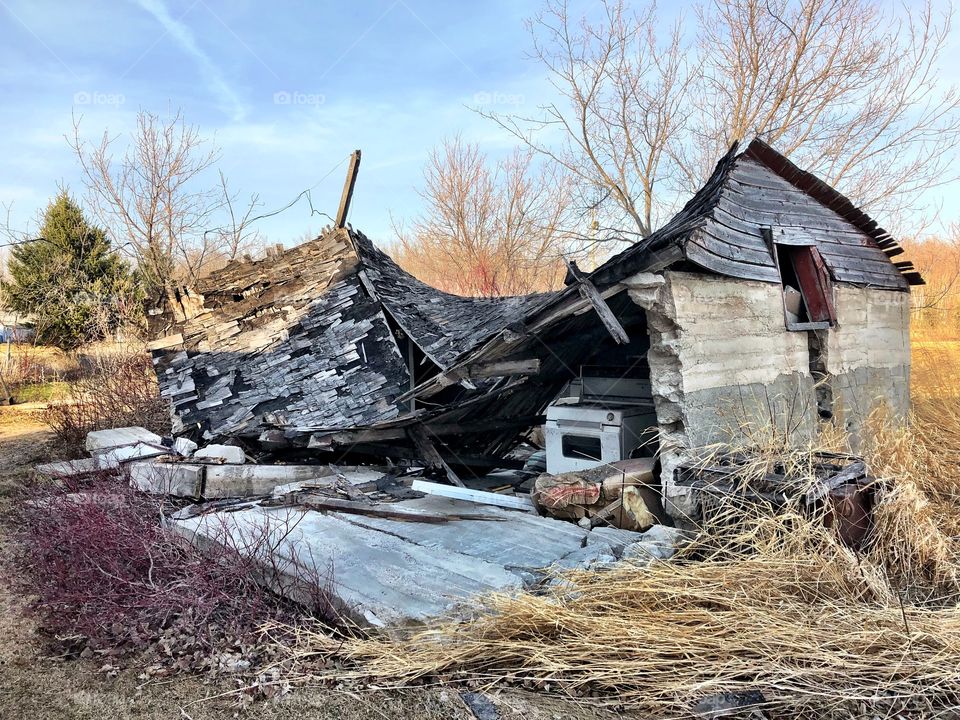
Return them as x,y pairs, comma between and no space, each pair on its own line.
226,97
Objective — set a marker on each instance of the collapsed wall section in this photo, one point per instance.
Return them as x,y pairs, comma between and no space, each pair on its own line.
294,340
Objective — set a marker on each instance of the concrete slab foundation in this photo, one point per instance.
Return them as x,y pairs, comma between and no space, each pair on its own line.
389,572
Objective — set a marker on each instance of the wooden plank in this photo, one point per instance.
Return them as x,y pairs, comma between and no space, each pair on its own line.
429,453
814,282
880,275
165,342
769,213
822,325
478,371
592,295
348,185
720,246
724,266
440,429
642,259
354,507
859,277
528,366
857,242
513,502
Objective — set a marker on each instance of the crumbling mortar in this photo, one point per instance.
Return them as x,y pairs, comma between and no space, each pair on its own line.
654,293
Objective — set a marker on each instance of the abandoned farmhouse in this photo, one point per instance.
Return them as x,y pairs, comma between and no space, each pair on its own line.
769,298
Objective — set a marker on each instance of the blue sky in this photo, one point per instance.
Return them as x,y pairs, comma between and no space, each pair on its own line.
286,89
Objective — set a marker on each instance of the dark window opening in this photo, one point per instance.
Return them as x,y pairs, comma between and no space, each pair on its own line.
580,447
807,290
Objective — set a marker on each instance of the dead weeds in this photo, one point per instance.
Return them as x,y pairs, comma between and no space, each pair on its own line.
771,610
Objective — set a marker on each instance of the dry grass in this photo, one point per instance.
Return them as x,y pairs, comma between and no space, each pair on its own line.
775,605
814,628
114,390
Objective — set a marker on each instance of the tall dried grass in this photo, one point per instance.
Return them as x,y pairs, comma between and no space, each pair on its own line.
768,607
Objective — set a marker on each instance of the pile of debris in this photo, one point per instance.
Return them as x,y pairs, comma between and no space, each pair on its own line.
390,546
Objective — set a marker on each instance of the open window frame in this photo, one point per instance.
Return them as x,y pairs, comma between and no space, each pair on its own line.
801,267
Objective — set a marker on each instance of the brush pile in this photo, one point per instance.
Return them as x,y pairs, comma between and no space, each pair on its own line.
761,614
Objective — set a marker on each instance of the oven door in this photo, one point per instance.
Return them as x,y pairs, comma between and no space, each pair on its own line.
580,446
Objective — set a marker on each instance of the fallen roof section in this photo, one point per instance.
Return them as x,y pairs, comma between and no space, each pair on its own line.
302,338
442,325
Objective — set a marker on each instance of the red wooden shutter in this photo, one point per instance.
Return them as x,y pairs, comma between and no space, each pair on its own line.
814,283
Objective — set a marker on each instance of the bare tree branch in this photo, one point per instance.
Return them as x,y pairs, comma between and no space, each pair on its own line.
489,229
846,89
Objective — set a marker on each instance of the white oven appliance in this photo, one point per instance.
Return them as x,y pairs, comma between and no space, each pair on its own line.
598,420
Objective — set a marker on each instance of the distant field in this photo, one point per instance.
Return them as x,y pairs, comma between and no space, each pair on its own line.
936,367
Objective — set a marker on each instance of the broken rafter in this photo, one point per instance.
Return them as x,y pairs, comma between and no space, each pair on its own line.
348,185
591,294
478,371
430,454
399,432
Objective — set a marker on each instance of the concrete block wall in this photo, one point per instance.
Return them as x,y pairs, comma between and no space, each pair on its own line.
738,363
721,359
868,354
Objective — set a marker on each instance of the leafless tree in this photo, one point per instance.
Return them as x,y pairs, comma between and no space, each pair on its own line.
839,85
156,199
938,259
489,228
624,92
846,89
235,236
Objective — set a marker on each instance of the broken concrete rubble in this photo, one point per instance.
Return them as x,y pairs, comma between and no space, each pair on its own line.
658,543
77,469
202,480
100,441
229,454
173,479
185,446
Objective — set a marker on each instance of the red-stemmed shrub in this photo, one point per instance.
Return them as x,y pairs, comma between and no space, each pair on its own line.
106,574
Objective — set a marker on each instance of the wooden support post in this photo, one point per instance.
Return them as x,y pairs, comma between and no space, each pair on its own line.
590,293
348,184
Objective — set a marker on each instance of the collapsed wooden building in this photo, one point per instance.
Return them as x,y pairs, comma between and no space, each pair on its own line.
769,298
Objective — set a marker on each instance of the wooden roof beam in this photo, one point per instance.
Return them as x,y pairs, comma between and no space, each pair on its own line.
592,295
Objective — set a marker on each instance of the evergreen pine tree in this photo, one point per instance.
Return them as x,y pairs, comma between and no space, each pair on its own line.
72,283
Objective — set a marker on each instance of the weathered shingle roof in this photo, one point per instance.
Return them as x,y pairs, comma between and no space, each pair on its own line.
719,229
303,338
442,325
